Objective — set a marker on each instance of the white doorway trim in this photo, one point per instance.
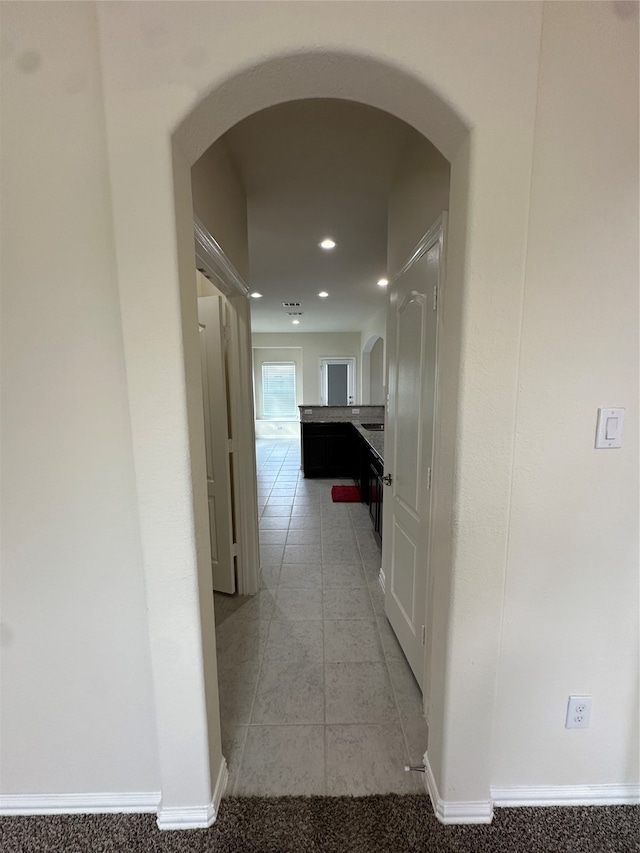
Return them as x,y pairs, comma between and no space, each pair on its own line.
214,264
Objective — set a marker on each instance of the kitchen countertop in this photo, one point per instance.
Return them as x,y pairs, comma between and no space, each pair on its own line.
375,440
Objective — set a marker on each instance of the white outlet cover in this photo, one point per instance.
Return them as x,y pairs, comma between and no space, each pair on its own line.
578,712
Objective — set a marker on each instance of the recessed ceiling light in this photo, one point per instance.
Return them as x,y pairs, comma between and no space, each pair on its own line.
323,294
327,243
383,282
295,322
256,295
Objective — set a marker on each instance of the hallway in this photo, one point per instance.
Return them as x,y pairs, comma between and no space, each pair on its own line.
315,694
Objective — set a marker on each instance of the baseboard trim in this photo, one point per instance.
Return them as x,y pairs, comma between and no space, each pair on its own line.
104,803
381,579
447,812
567,795
200,817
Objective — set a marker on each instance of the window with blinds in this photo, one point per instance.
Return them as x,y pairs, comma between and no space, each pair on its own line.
279,389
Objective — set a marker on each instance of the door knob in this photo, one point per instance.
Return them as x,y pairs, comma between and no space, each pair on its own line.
387,480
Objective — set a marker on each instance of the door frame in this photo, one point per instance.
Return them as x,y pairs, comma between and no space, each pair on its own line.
351,363
213,264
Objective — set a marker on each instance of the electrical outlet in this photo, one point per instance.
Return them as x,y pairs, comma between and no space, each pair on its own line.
355,411
578,712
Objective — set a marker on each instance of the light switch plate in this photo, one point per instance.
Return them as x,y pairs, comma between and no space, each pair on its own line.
609,428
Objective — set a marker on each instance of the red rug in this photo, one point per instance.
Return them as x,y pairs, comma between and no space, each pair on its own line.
345,494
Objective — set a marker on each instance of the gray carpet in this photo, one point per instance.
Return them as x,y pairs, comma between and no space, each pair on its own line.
380,824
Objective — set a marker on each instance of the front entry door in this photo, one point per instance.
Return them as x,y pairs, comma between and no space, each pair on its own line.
412,332
216,427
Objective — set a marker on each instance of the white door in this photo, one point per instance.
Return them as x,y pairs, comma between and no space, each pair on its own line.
337,381
216,427
412,331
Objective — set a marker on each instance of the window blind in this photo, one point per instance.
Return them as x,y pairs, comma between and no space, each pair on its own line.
279,390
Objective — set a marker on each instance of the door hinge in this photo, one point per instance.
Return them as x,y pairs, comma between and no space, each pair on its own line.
234,549
423,635
227,333
428,478
435,297
232,445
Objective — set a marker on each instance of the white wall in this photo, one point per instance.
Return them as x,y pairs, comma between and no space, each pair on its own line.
314,346
571,604
220,202
377,384
419,194
77,703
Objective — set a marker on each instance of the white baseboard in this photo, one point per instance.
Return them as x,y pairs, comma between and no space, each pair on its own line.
105,803
566,795
448,812
200,817
381,579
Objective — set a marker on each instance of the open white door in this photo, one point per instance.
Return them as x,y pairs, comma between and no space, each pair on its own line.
412,332
216,425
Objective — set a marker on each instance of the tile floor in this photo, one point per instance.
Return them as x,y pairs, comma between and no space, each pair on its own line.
316,696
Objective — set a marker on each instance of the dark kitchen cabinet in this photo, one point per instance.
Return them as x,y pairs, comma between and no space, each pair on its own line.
327,449
375,494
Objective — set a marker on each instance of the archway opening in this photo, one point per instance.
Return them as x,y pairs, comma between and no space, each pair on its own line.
302,76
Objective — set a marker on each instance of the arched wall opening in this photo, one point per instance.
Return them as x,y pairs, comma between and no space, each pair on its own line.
165,402
357,79
373,366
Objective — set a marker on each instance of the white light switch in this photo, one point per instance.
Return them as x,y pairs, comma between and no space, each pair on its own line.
609,429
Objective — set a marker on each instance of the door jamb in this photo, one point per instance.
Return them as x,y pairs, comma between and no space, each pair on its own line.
214,264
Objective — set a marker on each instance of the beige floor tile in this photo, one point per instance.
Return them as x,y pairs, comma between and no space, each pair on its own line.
295,642
283,760
341,575
241,640
298,604
302,554
366,759
233,741
352,641
305,576
289,693
305,536
346,604
359,693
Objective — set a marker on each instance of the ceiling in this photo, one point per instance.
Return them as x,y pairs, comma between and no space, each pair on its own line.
313,169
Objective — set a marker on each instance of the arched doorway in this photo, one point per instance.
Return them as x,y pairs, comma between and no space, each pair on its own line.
373,371
180,619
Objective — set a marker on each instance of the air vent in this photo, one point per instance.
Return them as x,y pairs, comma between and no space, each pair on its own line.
291,304
295,313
